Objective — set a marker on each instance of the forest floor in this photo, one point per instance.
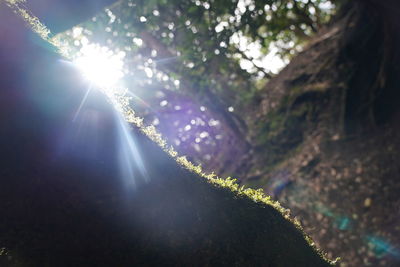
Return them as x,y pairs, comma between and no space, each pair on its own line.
345,193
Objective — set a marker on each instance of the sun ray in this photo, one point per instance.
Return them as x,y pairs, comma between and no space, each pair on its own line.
82,102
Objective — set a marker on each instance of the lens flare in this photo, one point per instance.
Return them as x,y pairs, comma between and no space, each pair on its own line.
132,166
100,65
381,247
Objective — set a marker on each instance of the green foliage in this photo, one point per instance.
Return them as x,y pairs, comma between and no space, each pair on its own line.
219,54
208,39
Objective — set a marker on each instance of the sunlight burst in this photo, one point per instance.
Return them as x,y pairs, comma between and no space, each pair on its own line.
100,65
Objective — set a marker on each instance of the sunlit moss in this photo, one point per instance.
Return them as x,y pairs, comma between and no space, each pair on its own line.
3,251
18,6
256,195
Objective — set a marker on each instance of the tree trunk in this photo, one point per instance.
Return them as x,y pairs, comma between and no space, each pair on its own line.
327,139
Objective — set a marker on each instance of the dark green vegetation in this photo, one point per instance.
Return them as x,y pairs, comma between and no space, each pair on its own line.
62,205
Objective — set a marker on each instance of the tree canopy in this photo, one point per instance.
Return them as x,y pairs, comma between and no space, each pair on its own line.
195,67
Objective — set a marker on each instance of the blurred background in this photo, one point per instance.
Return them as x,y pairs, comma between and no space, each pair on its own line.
298,97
